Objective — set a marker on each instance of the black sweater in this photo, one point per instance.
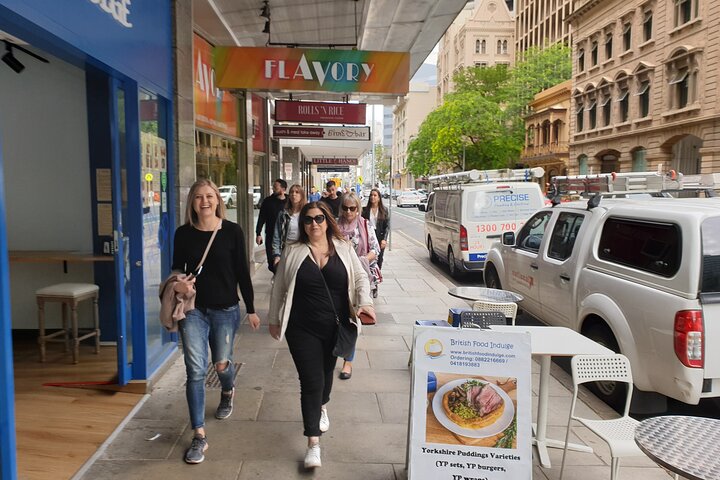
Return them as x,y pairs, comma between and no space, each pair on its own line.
225,267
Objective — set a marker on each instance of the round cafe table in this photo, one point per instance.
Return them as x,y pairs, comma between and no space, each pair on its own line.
484,294
688,446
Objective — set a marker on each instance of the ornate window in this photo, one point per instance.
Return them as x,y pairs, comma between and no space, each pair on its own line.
606,106
648,26
483,47
608,46
682,71
627,36
592,113
499,47
685,10
579,115
644,98
639,164
594,53
581,60
477,46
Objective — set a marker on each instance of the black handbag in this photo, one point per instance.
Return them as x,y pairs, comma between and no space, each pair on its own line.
347,332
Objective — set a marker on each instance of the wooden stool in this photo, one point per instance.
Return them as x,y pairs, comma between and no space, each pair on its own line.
68,294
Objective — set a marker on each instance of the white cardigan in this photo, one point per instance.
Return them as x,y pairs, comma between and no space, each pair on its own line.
293,256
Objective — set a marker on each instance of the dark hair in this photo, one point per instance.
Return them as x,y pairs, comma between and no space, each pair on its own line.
303,199
382,211
330,183
282,183
332,228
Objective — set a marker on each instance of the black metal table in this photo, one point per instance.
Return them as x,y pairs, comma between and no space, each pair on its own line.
688,446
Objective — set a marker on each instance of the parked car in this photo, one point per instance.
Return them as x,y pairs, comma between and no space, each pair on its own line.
228,193
640,276
464,219
410,197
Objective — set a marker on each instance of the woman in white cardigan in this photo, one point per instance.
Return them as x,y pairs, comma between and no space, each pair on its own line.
318,277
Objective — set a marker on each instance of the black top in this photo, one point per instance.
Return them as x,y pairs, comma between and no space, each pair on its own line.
269,210
225,267
311,308
383,223
334,204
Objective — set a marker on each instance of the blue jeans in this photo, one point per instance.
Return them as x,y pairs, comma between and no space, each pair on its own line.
200,328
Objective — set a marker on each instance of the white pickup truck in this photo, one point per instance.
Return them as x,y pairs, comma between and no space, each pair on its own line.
641,276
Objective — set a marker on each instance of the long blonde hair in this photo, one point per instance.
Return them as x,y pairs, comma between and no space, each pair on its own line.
190,214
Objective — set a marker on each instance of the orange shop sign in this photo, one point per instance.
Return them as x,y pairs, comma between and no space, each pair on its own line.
303,69
214,109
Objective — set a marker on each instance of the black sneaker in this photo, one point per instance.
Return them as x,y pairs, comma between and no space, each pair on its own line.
224,410
196,452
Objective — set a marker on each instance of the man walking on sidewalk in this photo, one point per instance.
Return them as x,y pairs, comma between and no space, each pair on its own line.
269,210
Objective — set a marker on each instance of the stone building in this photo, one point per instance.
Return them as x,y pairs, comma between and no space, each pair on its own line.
547,131
645,86
482,35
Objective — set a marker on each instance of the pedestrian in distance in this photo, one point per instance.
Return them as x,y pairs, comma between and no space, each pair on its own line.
319,283
314,195
287,226
216,316
361,236
333,199
271,206
376,213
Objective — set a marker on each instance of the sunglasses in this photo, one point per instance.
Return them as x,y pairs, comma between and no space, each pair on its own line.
352,208
307,219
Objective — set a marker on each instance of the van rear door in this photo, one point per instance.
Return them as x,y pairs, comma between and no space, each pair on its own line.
495,208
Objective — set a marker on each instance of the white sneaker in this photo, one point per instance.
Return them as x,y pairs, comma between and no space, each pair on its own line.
312,457
324,420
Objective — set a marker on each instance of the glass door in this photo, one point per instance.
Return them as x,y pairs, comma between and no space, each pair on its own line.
121,239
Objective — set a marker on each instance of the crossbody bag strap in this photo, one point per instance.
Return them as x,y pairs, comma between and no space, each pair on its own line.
207,249
327,289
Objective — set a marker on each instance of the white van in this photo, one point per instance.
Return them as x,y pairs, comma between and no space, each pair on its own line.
468,211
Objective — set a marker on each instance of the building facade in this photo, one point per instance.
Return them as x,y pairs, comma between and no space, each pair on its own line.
408,115
482,35
645,86
542,22
547,131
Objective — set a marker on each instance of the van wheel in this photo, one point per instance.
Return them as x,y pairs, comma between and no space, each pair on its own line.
492,279
230,203
612,393
454,272
433,255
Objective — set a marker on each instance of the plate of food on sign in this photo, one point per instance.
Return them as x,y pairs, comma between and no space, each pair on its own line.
473,408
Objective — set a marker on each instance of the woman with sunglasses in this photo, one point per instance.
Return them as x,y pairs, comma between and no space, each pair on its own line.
216,316
362,237
287,226
319,281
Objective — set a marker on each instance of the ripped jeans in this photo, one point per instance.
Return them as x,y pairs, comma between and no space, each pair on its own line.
200,328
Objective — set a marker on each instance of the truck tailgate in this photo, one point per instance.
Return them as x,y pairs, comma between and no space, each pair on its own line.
711,319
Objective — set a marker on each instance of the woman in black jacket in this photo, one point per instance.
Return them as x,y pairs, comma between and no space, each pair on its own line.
376,213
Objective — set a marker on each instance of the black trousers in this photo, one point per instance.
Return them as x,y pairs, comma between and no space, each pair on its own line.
315,364
268,251
380,257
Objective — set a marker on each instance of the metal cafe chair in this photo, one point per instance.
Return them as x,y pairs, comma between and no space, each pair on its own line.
483,320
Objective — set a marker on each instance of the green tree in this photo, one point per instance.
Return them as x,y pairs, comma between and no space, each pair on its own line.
482,121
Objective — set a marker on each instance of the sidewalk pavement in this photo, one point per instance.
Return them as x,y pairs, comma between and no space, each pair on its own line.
368,413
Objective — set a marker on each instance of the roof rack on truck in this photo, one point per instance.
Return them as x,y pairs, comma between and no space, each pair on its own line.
617,183
488,176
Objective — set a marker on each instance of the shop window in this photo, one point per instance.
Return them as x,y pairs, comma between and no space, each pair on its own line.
639,164
583,164
627,36
608,46
647,26
644,99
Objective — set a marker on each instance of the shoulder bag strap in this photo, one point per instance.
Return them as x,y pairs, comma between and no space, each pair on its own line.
207,249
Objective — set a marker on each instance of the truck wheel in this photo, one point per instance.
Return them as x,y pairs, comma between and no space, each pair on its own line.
230,203
454,272
433,255
612,393
492,279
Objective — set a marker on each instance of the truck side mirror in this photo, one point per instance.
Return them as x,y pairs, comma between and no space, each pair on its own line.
422,207
508,239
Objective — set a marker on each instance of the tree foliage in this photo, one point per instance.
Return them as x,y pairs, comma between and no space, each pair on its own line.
481,125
